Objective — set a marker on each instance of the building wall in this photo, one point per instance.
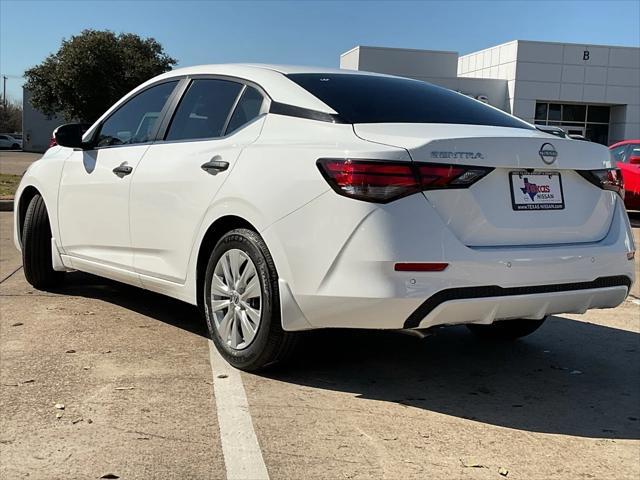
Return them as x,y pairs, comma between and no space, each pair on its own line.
565,73
36,126
497,62
437,67
401,61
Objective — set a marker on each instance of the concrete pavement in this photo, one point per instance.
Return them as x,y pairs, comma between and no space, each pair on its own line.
132,370
136,387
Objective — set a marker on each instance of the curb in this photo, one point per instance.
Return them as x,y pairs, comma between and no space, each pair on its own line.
6,205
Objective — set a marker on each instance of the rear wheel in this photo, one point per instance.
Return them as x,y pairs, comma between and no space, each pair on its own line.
36,247
242,304
506,329
15,146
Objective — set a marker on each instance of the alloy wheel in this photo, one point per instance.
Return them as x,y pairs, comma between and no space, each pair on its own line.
236,299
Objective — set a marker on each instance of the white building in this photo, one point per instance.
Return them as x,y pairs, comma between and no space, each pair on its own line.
37,127
591,90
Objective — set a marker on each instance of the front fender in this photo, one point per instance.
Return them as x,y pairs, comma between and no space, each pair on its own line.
44,176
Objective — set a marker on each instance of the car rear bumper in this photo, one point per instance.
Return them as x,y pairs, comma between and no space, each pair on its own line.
399,313
484,305
353,284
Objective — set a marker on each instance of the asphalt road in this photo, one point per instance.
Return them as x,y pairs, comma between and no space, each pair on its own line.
133,371
14,162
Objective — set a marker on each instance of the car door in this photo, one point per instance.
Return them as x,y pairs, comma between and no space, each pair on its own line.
179,176
93,203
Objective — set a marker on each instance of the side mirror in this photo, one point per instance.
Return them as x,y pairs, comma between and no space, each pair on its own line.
69,135
635,159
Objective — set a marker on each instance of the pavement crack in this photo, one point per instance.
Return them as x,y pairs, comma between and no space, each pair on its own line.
321,458
34,295
156,435
10,275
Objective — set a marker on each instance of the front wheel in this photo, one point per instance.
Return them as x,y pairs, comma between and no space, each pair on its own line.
242,304
506,329
36,247
15,146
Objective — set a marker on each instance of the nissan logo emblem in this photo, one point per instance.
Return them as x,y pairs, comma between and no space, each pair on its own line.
548,153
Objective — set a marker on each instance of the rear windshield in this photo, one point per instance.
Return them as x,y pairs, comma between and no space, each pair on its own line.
378,99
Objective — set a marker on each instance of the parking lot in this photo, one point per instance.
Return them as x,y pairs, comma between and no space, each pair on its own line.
16,162
135,375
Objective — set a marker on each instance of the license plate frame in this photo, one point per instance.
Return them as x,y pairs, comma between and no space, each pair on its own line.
537,186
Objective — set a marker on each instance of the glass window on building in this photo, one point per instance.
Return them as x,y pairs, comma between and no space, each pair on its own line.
541,111
590,121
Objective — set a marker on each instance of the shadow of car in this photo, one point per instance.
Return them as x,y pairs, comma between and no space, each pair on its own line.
569,378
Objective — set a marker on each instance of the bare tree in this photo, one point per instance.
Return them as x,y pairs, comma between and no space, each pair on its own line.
11,117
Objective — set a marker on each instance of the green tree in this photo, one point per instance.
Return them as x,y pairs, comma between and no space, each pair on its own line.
91,71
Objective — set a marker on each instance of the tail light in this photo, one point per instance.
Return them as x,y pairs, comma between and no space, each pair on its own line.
383,181
607,179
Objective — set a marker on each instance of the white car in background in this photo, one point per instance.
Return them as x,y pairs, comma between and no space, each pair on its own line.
283,199
7,142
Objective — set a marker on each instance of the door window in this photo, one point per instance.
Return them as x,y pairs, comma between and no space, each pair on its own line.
136,121
247,109
619,153
204,109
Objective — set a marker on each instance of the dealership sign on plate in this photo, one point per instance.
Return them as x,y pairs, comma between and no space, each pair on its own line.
536,191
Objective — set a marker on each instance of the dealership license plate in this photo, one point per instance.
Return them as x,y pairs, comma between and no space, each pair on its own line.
536,191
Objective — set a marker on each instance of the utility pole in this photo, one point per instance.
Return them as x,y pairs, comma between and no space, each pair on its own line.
4,91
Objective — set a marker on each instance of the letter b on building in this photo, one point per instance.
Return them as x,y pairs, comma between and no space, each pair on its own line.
585,55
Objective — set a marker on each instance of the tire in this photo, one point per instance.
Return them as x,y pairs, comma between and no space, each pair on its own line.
506,330
15,146
36,247
247,340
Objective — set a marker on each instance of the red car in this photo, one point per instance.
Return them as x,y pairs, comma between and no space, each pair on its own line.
627,156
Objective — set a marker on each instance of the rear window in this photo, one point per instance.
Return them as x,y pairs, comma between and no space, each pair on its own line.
378,99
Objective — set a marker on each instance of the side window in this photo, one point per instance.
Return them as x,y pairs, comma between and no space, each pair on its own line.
247,109
619,154
135,121
203,110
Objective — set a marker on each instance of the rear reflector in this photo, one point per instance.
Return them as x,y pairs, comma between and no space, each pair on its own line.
383,181
420,267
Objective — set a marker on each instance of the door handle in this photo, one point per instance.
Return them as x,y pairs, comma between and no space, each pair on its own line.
122,170
215,165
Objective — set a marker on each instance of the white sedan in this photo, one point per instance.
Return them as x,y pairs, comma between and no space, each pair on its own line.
9,142
282,199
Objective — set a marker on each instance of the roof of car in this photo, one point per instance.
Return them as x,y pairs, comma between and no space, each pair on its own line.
624,142
270,77
284,69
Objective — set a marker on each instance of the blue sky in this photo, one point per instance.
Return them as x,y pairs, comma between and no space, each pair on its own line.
306,32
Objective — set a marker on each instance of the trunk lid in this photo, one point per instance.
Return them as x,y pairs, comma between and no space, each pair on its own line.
486,214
